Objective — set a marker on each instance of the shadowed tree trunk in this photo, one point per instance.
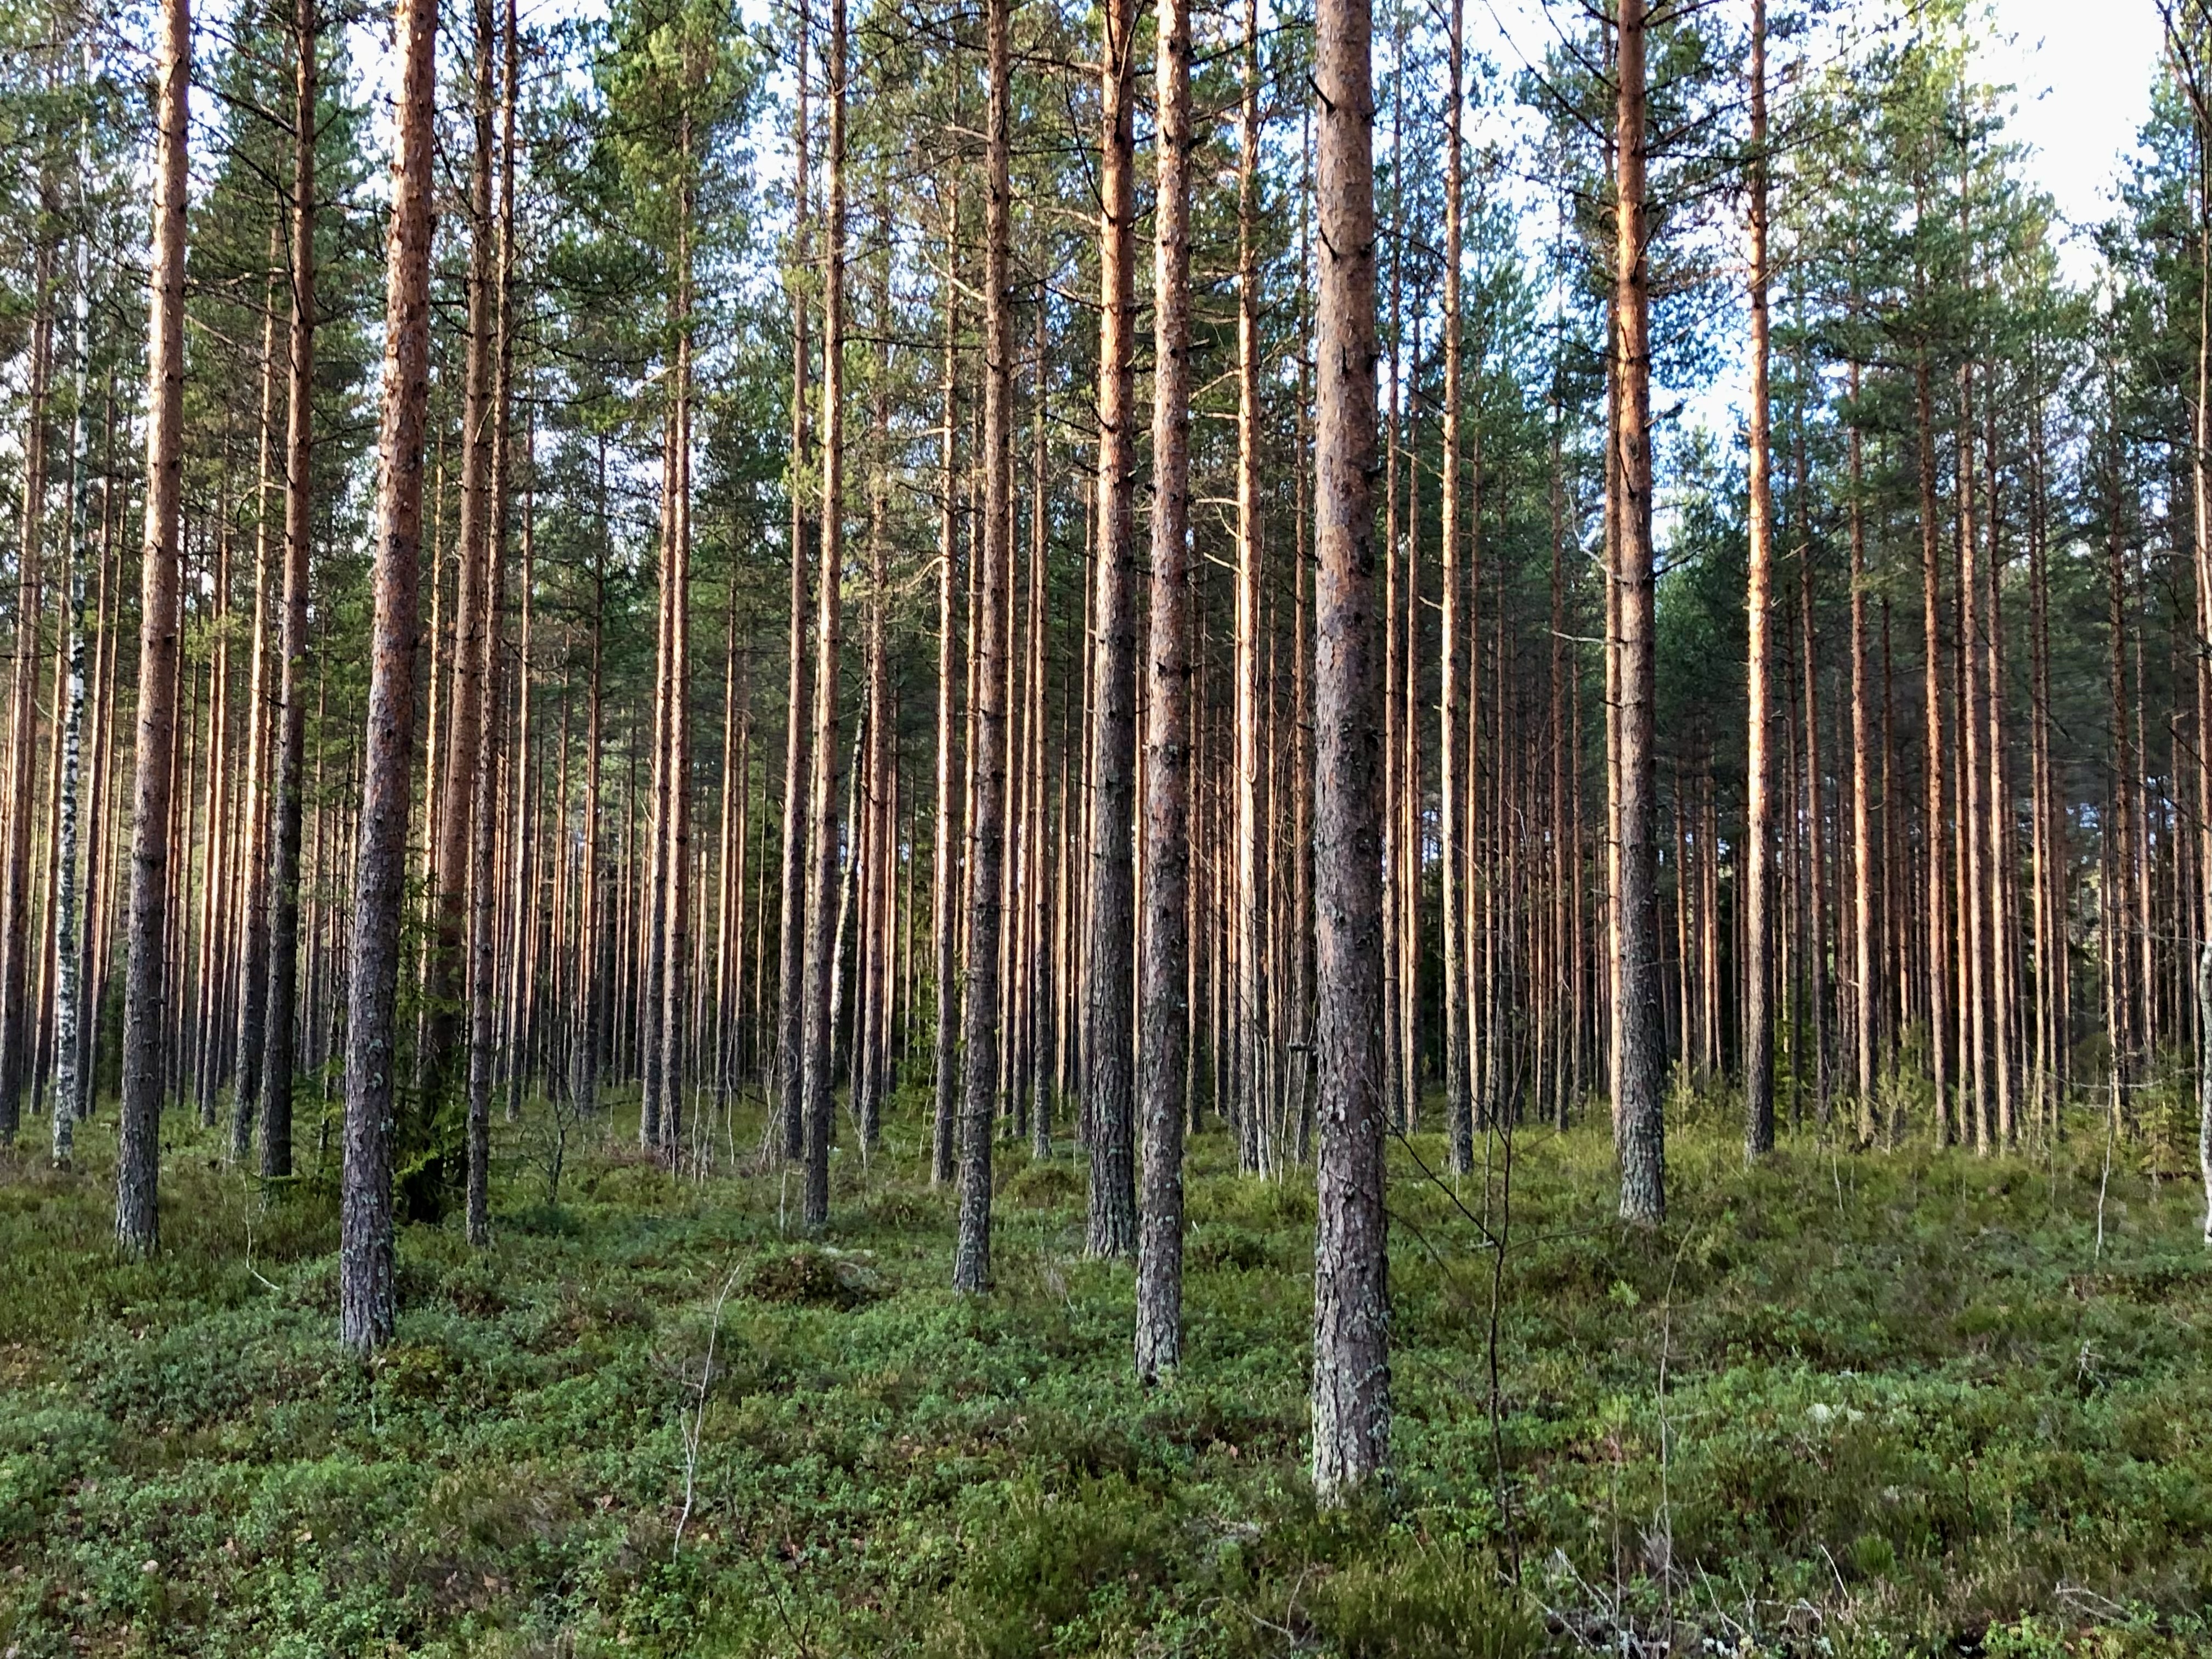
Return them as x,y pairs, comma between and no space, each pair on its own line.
971,1260
822,829
252,933
284,869
445,986
791,935
1108,1056
483,882
943,888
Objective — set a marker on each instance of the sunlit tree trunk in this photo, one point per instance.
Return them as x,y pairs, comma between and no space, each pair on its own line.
137,1226
1459,1109
1866,1002
1936,873
22,706
1757,972
1640,1040
366,1306
1162,1055
1351,1308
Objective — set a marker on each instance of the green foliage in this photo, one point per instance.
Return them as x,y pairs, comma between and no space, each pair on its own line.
1908,1404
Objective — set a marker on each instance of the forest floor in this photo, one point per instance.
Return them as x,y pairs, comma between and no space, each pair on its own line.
1852,1404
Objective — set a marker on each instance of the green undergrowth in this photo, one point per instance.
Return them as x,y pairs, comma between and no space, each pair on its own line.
1843,1404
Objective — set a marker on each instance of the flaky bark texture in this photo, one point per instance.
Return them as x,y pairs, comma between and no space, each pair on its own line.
365,1305
1640,1040
1109,1056
137,1227
1166,966
971,1260
1351,1302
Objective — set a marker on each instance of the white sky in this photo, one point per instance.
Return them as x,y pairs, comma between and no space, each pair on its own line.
2082,70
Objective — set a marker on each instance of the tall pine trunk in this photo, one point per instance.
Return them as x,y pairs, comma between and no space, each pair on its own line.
790,933
366,1306
1640,1039
822,829
1758,974
980,1034
484,883
1108,1051
1352,1307
278,1014
1255,1150
445,989
943,888
1162,1056
137,1225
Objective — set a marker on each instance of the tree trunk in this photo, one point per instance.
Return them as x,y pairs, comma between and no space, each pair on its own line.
1866,1004
1937,878
484,883
1640,1039
671,977
253,929
971,1261
366,1307
1759,603
1459,1107
23,712
1162,1055
445,985
137,1226
1109,1047
69,1089
821,831
791,935
943,887
1351,1308
1255,1150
